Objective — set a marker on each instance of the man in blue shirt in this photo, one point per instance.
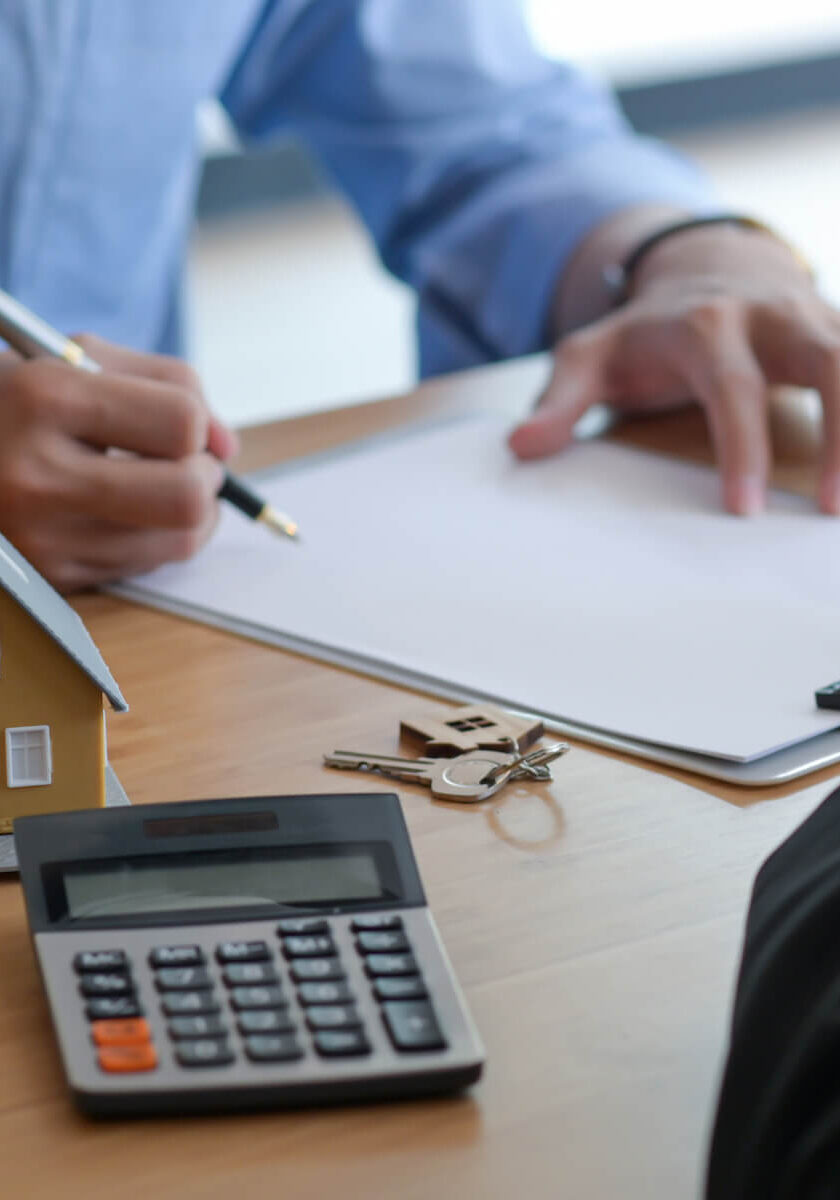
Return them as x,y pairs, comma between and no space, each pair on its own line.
499,184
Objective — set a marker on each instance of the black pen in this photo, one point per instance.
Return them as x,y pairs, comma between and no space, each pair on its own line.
34,338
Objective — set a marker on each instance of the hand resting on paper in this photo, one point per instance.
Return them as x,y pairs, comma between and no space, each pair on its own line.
718,315
83,516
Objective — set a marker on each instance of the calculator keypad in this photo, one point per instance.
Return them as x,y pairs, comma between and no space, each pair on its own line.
245,1000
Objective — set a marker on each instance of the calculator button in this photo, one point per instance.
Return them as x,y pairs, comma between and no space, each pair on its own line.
189,1004
196,1027
333,1016
204,1052
105,985
113,1008
303,925
243,973
400,987
311,946
182,979
176,956
257,997
384,942
412,1025
128,1058
129,1032
238,952
265,1021
390,964
100,960
324,993
273,1048
316,968
338,1043
376,921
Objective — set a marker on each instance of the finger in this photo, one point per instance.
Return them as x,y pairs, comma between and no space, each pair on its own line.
727,379
576,384
143,492
222,441
829,388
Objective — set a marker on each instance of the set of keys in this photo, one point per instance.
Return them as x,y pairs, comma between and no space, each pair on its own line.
469,777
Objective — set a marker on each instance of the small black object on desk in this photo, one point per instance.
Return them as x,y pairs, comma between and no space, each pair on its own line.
828,696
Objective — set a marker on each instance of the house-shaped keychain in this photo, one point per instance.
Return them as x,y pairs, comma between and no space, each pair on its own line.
53,749
472,727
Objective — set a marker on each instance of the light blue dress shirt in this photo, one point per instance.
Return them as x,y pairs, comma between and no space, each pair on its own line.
477,164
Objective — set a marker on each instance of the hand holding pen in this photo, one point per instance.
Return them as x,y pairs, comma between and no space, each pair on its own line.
82,516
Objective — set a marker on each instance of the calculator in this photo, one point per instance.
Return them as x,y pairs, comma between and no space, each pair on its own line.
248,953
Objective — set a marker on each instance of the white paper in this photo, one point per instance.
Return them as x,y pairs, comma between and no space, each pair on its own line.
602,586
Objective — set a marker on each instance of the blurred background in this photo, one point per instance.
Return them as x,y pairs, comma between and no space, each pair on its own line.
290,310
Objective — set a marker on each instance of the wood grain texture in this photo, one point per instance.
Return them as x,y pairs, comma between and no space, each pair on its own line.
593,922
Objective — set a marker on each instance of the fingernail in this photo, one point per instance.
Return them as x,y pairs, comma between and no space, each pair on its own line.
830,494
746,496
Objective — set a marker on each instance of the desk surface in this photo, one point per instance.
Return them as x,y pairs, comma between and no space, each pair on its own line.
594,923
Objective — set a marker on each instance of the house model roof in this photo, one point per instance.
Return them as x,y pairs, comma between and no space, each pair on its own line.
55,616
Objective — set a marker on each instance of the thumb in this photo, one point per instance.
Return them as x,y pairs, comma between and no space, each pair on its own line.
222,441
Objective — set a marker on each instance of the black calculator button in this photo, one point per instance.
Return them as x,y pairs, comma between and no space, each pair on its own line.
382,942
279,1047
304,969
295,925
204,1052
257,997
189,1004
341,1043
182,979
244,973
308,946
333,1016
196,1027
324,993
412,1025
390,964
100,960
106,985
400,987
376,921
240,952
265,1021
176,956
113,1008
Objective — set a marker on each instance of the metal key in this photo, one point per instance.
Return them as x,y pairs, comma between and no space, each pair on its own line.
461,778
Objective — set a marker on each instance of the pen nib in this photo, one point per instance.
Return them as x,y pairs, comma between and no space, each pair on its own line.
279,523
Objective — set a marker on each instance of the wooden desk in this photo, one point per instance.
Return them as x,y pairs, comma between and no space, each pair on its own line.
594,924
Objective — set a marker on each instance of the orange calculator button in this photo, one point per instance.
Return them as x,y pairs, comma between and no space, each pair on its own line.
128,1058
132,1031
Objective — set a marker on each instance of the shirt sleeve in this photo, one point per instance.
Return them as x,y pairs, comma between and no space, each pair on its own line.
777,1130
477,163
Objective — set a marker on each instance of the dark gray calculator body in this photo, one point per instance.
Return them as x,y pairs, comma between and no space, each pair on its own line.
225,954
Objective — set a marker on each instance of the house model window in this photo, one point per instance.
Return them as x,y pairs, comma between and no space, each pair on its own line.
28,756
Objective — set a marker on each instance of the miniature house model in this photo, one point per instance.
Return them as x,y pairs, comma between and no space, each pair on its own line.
52,684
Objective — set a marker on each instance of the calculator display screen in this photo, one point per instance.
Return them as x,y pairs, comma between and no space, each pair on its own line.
228,880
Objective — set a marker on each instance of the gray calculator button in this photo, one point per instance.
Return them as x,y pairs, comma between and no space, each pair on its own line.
176,956
376,921
196,1027
113,1008
266,1020
304,969
204,1052
324,993
106,985
382,942
243,973
240,952
303,925
400,987
257,997
273,1048
189,1004
310,946
340,1043
100,960
182,979
412,1025
390,964
333,1016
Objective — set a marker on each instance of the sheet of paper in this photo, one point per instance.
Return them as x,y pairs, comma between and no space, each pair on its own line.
602,586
